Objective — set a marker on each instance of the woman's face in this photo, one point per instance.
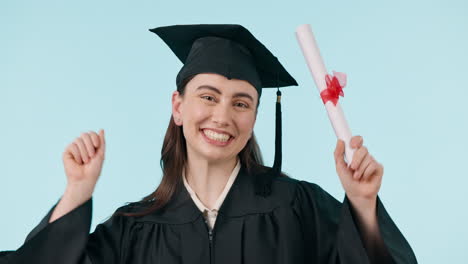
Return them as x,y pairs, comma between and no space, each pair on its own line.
218,116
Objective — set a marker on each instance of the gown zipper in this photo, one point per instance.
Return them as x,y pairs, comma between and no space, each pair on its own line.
210,241
210,237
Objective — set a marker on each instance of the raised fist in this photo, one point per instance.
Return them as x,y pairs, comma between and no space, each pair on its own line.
83,160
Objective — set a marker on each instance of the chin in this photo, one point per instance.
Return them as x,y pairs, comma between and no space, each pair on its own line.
216,157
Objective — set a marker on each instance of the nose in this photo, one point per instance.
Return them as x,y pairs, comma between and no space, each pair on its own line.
221,115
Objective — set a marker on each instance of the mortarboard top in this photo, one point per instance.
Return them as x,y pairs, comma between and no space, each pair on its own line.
232,51
229,50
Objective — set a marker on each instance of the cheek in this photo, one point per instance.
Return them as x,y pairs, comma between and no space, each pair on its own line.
246,124
195,113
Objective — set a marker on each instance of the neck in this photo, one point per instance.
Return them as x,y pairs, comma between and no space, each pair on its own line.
208,179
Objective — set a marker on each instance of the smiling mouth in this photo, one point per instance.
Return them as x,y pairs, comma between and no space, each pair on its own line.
215,136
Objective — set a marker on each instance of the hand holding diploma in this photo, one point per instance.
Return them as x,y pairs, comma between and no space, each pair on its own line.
362,178
361,175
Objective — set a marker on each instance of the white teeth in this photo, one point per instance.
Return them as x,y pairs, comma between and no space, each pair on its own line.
216,136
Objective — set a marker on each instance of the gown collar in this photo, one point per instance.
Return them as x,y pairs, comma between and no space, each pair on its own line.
240,200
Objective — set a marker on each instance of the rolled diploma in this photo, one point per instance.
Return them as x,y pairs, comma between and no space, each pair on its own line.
311,52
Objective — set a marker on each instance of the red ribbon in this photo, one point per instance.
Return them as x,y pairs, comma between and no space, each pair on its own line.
334,87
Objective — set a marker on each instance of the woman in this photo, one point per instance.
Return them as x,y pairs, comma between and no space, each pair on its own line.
216,202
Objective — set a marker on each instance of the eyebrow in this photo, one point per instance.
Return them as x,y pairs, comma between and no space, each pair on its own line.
216,90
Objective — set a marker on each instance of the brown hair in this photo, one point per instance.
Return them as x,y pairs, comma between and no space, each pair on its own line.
174,158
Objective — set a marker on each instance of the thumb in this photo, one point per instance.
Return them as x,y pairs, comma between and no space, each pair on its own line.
339,153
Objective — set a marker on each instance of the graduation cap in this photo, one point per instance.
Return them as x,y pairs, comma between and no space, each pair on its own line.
232,51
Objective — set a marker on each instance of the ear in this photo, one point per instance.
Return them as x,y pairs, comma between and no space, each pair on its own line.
177,108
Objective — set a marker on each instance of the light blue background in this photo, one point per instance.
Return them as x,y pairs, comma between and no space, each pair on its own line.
67,68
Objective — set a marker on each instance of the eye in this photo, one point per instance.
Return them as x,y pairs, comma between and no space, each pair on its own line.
208,97
242,105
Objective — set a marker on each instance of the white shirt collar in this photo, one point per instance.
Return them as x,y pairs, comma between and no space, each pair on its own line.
221,197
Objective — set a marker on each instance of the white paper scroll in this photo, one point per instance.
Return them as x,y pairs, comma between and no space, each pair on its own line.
311,52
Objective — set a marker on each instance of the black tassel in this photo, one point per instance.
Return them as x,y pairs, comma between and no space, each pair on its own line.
278,129
264,180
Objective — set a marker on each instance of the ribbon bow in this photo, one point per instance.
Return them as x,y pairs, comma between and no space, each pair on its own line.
335,85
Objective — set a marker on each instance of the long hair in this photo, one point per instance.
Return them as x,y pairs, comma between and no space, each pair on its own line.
174,159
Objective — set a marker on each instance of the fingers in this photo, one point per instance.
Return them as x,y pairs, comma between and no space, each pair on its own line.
72,152
82,148
356,142
94,138
370,170
374,168
358,157
358,174
102,149
86,146
339,152
89,145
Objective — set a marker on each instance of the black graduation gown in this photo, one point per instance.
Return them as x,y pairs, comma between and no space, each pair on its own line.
298,223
